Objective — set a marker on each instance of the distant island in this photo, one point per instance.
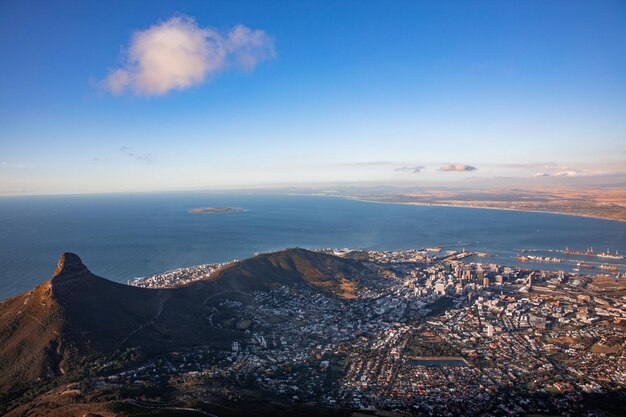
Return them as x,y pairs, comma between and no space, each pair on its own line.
216,210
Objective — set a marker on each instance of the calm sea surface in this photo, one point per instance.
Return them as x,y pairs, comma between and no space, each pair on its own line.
125,236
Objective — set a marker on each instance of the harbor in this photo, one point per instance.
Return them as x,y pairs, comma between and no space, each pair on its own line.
605,263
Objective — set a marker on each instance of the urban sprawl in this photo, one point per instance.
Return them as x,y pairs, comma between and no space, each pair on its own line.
431,332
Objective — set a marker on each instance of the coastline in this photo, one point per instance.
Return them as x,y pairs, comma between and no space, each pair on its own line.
365,200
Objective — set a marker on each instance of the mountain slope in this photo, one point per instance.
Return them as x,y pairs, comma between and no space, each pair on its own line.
325,272
77,318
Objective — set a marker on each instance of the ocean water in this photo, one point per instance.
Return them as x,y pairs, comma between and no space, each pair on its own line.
122,236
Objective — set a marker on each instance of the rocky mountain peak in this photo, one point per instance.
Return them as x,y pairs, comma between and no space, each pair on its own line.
70,267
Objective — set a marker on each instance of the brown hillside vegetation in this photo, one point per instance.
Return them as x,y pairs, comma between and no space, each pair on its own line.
326,272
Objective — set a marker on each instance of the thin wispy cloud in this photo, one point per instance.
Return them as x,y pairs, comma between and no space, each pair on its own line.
529,165
144,157
571,173
14,165
413,169
373,163
554,169
457,168
178,54
555,166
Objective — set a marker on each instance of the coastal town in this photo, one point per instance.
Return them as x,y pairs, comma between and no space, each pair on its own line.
429,332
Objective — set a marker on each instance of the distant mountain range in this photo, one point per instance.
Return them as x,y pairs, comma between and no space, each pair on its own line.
58,330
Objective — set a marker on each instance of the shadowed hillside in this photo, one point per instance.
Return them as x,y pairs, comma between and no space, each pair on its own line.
78,318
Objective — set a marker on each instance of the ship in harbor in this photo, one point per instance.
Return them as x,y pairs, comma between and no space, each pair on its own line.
538,259
609,267
610,255
590,252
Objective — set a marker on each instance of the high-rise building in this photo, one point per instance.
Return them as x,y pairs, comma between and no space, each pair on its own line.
490,330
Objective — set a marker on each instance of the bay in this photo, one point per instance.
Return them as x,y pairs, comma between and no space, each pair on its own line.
122,236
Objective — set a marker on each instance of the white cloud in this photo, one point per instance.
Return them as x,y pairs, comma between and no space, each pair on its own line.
457,168
249,47
178,54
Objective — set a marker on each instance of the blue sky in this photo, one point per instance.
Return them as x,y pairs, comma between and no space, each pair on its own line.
403,93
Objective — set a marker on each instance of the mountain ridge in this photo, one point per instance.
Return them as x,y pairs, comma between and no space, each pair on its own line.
77,318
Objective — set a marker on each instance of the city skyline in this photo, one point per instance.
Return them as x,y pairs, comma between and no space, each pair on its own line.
232,95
